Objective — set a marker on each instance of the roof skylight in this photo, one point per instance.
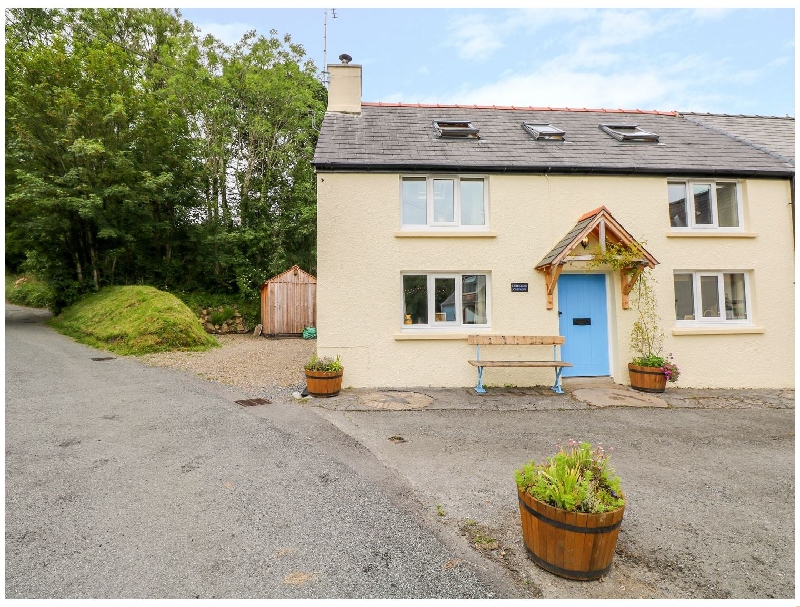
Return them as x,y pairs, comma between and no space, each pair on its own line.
543,130
456,129
628,132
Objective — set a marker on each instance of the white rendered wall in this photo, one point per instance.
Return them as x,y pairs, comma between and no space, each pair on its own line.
361,257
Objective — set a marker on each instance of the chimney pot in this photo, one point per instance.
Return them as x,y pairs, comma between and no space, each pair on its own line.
345,58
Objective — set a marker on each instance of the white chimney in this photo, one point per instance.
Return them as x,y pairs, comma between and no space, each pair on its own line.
344,86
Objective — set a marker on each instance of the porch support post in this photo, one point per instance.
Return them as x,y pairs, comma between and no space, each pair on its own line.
551,274
628,278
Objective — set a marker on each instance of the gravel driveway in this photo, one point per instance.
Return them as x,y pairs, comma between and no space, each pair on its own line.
709,476
256,364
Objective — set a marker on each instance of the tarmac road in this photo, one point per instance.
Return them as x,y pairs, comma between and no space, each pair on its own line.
126,481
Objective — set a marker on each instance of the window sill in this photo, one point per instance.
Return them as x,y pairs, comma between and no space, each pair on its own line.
710,234
445,234
425,335
732,330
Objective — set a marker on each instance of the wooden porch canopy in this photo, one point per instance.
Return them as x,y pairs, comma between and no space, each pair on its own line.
605,229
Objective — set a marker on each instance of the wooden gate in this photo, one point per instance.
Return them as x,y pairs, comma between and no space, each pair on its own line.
289,303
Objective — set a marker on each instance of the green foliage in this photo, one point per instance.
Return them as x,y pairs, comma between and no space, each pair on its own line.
249,308
29,291
648,361
220,316
578,479
647,337
133,320
139,153
326,363
617,256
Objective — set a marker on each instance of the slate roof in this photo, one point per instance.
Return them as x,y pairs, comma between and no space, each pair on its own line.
400,137
771,134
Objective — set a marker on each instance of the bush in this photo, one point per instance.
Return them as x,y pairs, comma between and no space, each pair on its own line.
133,320
29,291
220,316
577,480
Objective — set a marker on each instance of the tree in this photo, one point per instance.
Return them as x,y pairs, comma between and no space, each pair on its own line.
136,152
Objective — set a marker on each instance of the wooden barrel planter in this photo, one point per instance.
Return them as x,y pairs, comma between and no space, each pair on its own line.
647,379
323,384
572,545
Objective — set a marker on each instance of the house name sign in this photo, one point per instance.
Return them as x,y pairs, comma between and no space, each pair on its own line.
519,287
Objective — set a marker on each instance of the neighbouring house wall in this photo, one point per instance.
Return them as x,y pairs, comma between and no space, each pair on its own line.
361,257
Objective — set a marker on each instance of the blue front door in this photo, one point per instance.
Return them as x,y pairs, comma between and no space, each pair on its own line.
583,322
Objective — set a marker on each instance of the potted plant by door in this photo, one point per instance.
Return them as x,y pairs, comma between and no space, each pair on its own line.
324,376
649,370
571,509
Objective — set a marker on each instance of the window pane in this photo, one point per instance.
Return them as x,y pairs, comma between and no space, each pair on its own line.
735,301
473,295
727,210
443,207
415,300
677,205
684,297
709,296
415,202
702,204
444,299
472,212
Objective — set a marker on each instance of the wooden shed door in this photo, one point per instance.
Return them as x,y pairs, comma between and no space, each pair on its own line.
292,307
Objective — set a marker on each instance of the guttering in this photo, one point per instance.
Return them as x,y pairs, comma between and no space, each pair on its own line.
547,169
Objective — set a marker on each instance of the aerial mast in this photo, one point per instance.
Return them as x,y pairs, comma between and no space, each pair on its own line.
325,72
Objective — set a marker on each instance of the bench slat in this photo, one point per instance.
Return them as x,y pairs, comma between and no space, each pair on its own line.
515,340
519,363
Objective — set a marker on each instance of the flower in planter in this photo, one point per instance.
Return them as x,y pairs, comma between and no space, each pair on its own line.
326,363
577,479
666,365
670,369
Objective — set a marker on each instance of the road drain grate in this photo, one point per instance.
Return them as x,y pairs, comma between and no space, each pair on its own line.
252,402
105,358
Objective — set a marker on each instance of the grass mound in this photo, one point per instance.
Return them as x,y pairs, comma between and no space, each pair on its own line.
133,320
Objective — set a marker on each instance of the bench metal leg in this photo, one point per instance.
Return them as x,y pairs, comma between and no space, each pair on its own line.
479,388
557,386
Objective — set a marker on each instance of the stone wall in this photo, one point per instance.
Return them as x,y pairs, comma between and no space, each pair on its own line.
235,324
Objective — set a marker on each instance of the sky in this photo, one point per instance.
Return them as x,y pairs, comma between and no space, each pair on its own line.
730,61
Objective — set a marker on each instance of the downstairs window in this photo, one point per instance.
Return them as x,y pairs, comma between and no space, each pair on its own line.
445,300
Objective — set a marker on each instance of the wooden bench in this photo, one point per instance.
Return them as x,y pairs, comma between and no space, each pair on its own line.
518,340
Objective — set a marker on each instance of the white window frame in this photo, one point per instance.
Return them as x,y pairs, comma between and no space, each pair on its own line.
458,324
699,318
456,224
689,184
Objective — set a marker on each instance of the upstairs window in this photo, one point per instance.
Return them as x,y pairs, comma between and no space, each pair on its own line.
541,130
455,129
704,205
443,201
628,132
